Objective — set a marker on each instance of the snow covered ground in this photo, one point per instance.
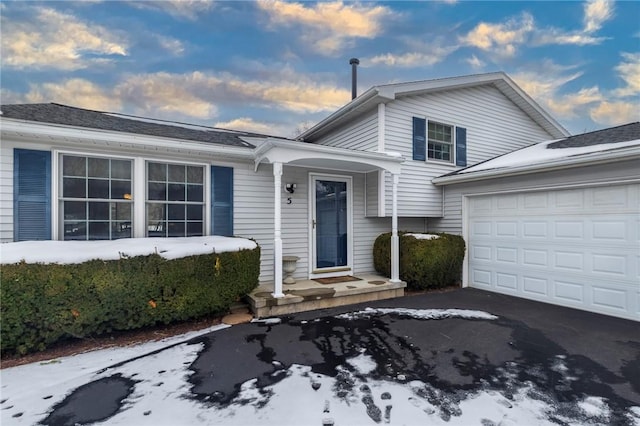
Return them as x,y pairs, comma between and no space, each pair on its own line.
156,390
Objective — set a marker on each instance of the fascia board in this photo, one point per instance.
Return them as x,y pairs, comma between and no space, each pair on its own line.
26,130
601,157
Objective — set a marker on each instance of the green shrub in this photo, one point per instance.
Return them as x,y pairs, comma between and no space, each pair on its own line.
42,304
424,264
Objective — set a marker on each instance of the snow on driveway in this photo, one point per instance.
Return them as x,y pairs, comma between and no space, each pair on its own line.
161,383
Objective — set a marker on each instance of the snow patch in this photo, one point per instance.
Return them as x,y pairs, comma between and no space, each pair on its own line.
71,252
424,236
425,314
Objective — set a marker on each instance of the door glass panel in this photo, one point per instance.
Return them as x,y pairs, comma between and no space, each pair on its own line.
331,224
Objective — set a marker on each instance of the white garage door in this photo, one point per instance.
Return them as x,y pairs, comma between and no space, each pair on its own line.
576,247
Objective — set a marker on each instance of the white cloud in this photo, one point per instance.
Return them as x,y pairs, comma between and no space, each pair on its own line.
57,40
75,92
502,39
629,71
615,113
329,26
597,12
475,62
247,124
182,9
570,105
172,45
423,55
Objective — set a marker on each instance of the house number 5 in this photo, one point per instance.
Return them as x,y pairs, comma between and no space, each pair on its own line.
289,200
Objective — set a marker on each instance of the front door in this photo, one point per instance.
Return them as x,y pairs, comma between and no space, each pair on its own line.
331,225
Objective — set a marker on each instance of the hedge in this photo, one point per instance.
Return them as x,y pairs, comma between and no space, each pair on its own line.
424,264
44,303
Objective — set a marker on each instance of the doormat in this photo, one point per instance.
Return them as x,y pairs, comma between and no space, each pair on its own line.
336,280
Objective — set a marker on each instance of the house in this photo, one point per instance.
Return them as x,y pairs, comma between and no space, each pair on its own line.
371,167
557,222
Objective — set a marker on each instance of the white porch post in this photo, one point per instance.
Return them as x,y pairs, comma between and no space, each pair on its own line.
395,240
277,233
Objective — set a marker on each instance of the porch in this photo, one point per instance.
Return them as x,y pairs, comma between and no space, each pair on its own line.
308,295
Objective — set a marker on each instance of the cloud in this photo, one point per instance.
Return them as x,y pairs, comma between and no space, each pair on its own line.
424,55
172,45
629,71
182,9
330,26
76,92
596,13
57,40
475,62
502,38
247,124
615,113
165,94
568,105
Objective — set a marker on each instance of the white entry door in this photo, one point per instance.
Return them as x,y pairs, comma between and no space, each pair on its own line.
575,247
331,222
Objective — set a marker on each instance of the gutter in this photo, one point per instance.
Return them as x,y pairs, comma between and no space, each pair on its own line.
51,133
629,153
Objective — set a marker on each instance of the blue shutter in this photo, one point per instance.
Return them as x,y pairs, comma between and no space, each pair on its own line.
221,201
419,139
31,195
461,147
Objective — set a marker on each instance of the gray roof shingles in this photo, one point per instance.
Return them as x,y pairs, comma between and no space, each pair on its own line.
71,116
626,132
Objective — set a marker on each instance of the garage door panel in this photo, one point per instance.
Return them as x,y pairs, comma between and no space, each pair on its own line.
581,250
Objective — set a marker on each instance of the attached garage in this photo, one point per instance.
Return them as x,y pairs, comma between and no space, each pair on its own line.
574,247
564,230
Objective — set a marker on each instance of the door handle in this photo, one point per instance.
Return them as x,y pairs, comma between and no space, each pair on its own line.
313,224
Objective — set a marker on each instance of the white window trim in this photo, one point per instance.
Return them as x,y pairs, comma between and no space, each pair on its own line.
453,144
138,193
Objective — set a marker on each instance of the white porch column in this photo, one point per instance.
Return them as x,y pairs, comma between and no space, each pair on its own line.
395,240
277,233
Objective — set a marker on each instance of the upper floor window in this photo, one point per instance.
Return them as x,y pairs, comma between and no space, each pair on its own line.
440,142
95,202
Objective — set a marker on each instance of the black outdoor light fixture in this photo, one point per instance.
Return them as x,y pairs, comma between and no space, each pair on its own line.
290,187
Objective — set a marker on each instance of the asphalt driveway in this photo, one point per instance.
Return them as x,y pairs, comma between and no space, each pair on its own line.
458,357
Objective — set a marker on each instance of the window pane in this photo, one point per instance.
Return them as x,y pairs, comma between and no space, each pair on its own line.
74,166
98,167
74,188
176,211
75,230
121,230
195,174
121,211
98,188
194,193
120,188
176,229
176,173
194,229
176,192
121,169
194,212
98,211
157,172
75,210
157,191
99,230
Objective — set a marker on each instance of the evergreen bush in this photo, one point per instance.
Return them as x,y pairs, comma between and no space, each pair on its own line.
424,263
43,303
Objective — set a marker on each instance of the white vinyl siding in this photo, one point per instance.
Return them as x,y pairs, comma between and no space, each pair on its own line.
6,192
494,126
594,174
361,134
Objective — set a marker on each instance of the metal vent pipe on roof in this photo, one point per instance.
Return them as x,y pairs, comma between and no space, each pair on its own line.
354,62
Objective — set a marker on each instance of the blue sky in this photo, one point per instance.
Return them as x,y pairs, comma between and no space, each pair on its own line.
275,66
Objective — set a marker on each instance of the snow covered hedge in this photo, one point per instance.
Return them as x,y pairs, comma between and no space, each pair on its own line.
426,260
42,303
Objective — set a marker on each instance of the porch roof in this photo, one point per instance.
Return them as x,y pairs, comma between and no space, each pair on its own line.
325,157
